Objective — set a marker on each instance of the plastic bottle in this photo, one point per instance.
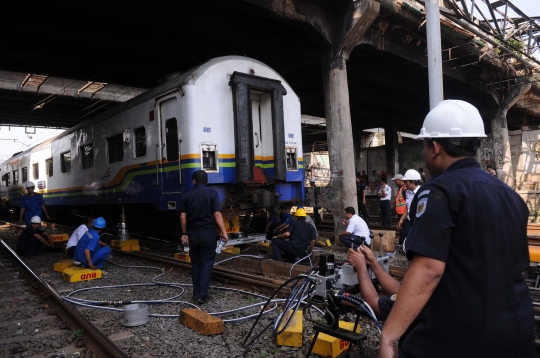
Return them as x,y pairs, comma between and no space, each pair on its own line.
220,246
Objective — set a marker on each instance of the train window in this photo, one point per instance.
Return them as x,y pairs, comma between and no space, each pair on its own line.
16,177
140,142
35,169
208,157
5,179
24,174
115,147
65,162
292,163
49,167
87,155
172,139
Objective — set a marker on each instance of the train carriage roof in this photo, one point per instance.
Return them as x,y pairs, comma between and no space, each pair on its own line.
174,81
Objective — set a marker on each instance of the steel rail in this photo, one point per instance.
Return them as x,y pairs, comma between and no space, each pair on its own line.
98,343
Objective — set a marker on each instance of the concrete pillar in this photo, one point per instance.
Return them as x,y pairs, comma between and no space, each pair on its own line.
504,100
340,141
347,30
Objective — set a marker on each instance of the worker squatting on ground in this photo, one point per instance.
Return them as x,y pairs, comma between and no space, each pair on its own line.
200,212
77,234
32,204
90,251
33,238
357,231
411,181
278,223
468,253
301,238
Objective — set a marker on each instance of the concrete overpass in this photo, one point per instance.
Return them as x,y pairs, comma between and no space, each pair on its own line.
359,64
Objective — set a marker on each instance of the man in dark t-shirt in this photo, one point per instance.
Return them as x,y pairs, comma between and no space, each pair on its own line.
200,212
301,236
33,238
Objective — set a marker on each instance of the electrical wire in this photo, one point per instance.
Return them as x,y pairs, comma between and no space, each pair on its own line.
102,305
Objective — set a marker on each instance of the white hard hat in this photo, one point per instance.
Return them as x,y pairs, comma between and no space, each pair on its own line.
29,184
453,119
397,177
35,220
312,180
412,174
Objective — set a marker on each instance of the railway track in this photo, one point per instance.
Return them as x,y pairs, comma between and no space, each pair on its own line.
37,322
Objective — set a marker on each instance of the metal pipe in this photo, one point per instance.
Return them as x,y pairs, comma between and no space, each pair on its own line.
433,31
97,335
484,37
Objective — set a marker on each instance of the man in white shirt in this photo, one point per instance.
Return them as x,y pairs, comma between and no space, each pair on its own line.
77,234
385,193
357,231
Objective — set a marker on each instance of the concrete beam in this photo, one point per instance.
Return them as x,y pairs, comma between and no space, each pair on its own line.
18,81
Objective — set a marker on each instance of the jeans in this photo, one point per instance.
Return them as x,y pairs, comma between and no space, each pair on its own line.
99,256
279,245
353,240
202,252
385,213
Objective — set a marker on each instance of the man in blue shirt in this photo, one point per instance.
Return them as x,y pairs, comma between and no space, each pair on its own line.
278,223
90,251
31,205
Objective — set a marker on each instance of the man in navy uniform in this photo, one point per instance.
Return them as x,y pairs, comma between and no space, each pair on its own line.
33,238
468,253
200,212
90,251
32,204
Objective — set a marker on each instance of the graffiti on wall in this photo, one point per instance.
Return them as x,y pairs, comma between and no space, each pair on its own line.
328,193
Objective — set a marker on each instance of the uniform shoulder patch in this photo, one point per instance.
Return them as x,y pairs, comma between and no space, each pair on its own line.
421,207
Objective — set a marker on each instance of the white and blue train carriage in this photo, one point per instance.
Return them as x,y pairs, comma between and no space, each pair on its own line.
233,117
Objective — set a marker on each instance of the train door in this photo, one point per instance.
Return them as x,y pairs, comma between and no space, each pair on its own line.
261,119
170,147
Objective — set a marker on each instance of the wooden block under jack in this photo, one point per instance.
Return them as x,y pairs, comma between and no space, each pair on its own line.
77,274
59,237
201,321
123,243
329,346
231,249
60,266
182,256
292,336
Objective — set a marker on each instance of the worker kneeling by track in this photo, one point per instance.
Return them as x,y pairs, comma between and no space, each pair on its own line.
91,252
382,306
301,237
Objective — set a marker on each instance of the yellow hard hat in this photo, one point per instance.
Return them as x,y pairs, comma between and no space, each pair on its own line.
300,212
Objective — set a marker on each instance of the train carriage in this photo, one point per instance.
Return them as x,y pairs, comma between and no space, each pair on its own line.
233,117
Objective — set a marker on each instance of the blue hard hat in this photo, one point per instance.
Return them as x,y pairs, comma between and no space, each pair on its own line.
100,223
